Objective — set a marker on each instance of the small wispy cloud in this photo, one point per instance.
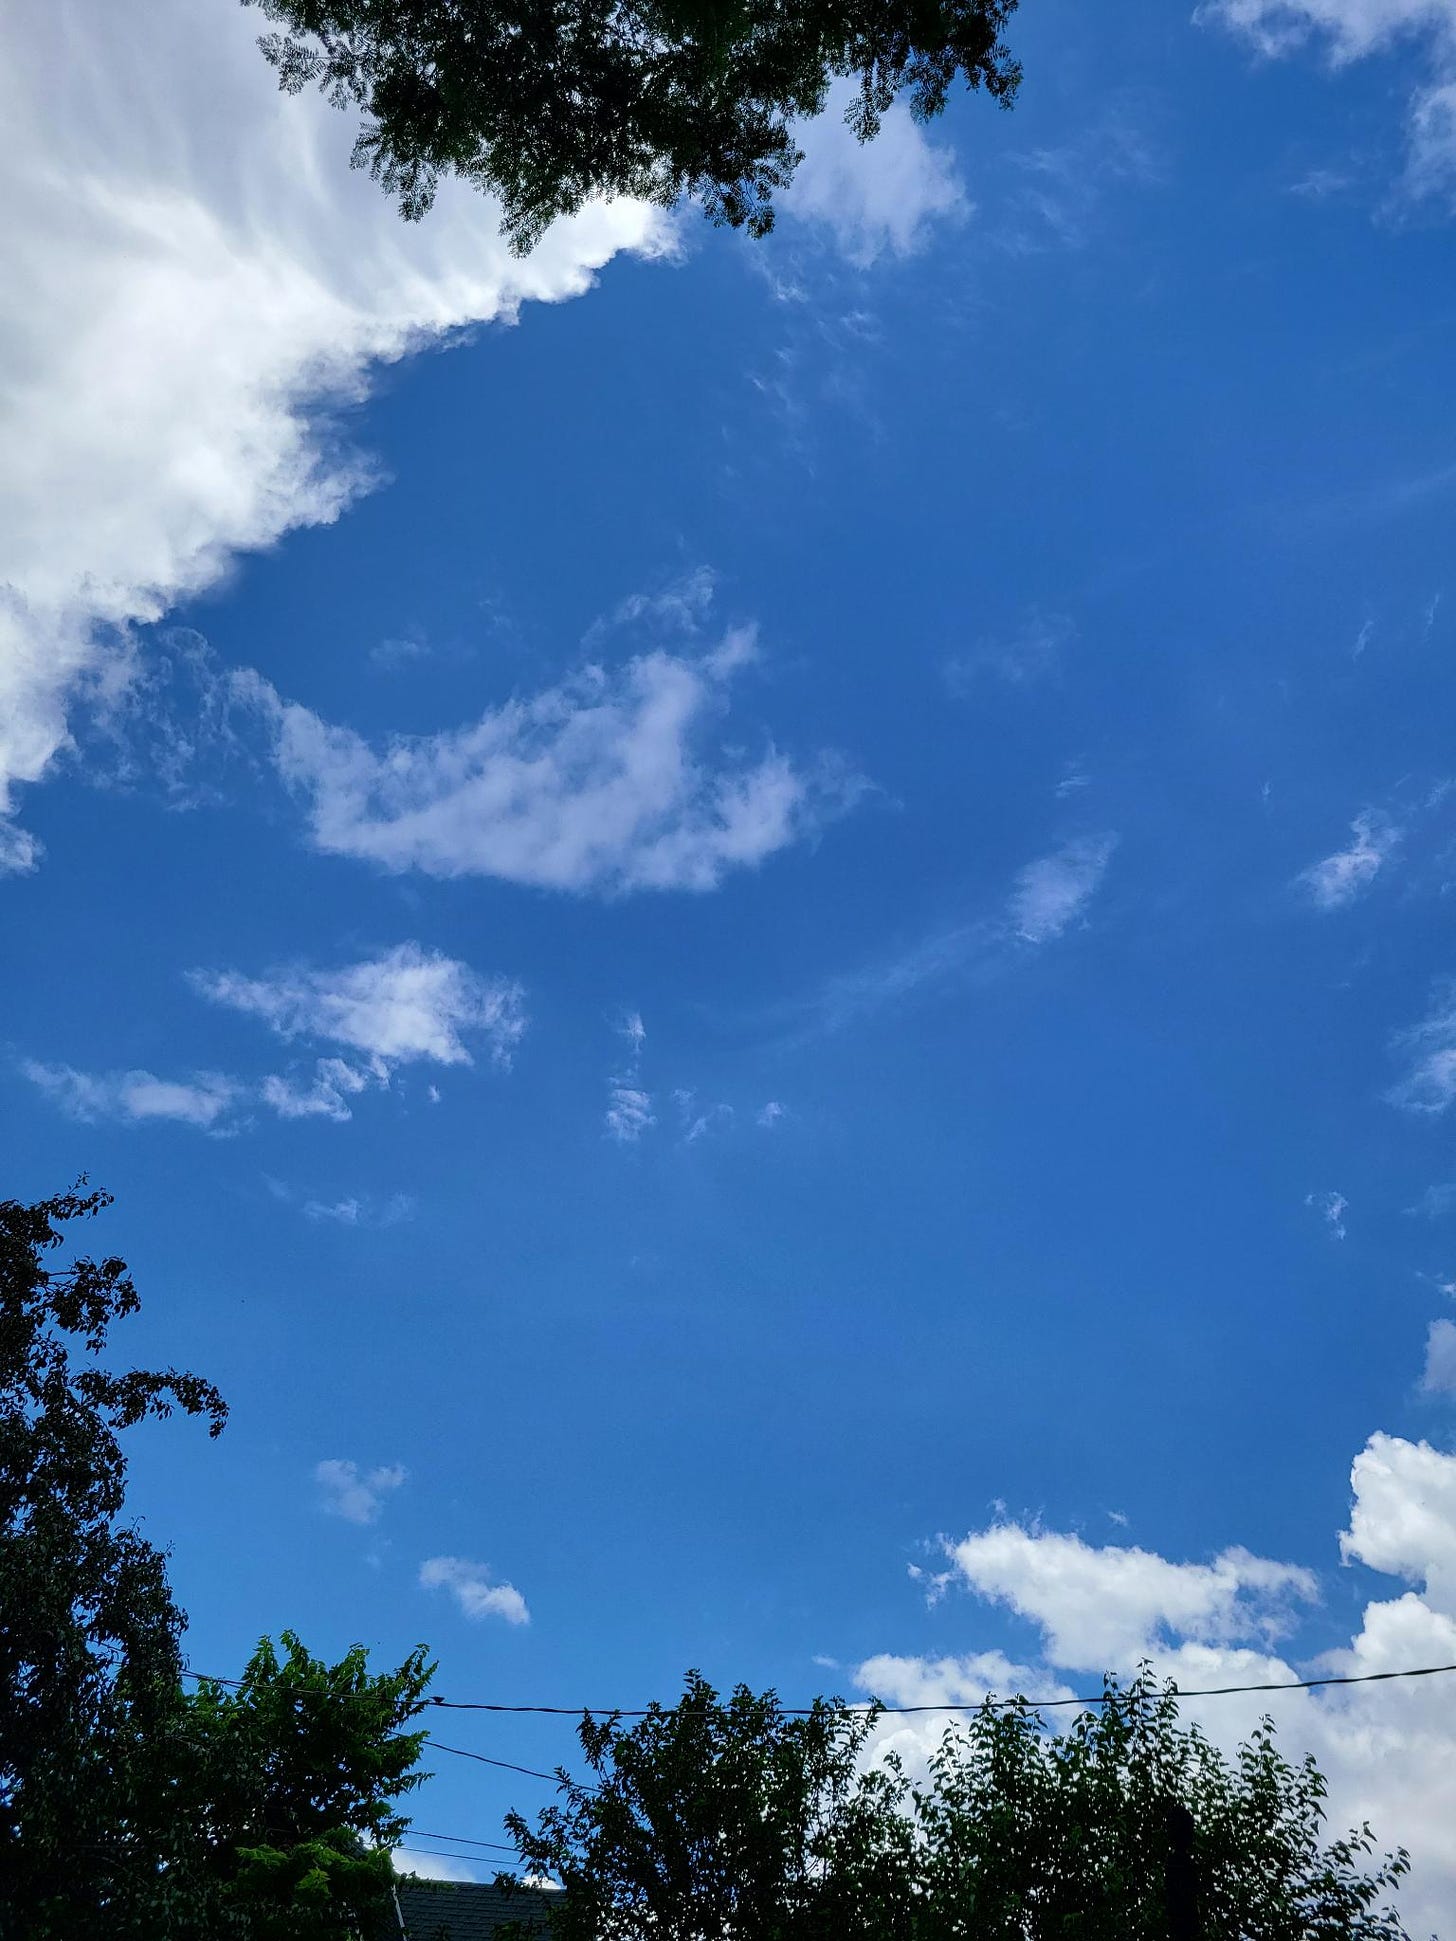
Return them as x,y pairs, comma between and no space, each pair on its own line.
203,1100
770,1114
1054,891
406,1004
474,1590
1033,652
1439,1374
1337,880
365,1212
355,1494
1430,1084
629,1114
1331,1208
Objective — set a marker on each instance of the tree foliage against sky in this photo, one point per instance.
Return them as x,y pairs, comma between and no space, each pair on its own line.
129,1806
547,104
718,1820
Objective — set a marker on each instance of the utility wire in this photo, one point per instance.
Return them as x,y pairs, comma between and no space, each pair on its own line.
866,1705
531,1772
460,1840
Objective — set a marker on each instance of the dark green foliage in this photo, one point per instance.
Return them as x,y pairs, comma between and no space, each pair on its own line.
550,102
130,1808
1133,1827
89,1636
722,1819
728,1821
297,1772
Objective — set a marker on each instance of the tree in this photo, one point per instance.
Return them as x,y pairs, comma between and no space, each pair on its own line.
732,1821
90,1663
129,1807
296,1772
1131,1826
550,102
726,1819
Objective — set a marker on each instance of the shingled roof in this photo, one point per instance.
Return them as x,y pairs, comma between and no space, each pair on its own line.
458,1910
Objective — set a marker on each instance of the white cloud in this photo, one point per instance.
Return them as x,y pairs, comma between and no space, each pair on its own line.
355,1212
1385,1748
355,1494
873,197
1332,1208
605,782
134,1097
1430,1084
629,1114
1108,1606
1032,653
428,1866
407,1004
471,1586
770,1114
178,317
1338,879
1053,892
327,1096
1350,30
1440,1371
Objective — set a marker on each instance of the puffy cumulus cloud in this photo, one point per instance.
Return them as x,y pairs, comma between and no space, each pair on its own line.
875,198
1385,1748
134,1098
473,1589
1338,879
1350,30
1052,892
1110,1605
195,277
605,782
355,1494
405,1005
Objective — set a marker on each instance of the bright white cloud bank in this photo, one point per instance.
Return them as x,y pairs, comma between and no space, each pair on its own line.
1385,1748
473,1589
193,276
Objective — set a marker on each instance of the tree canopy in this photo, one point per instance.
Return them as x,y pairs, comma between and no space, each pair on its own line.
130,1806
731,1820
547,103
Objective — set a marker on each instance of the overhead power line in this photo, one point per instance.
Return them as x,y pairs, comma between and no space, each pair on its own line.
864,1705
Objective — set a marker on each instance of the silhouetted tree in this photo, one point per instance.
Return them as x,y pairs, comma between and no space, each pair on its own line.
731,1821
129,1807
549,102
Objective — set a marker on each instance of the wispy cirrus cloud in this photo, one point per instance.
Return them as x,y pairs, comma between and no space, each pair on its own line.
1338,879
1354,30
1047,898
474,1589
1429,1085
202,1100
405,1005
1053,892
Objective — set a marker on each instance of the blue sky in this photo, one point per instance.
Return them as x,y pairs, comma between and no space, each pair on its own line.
760,933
